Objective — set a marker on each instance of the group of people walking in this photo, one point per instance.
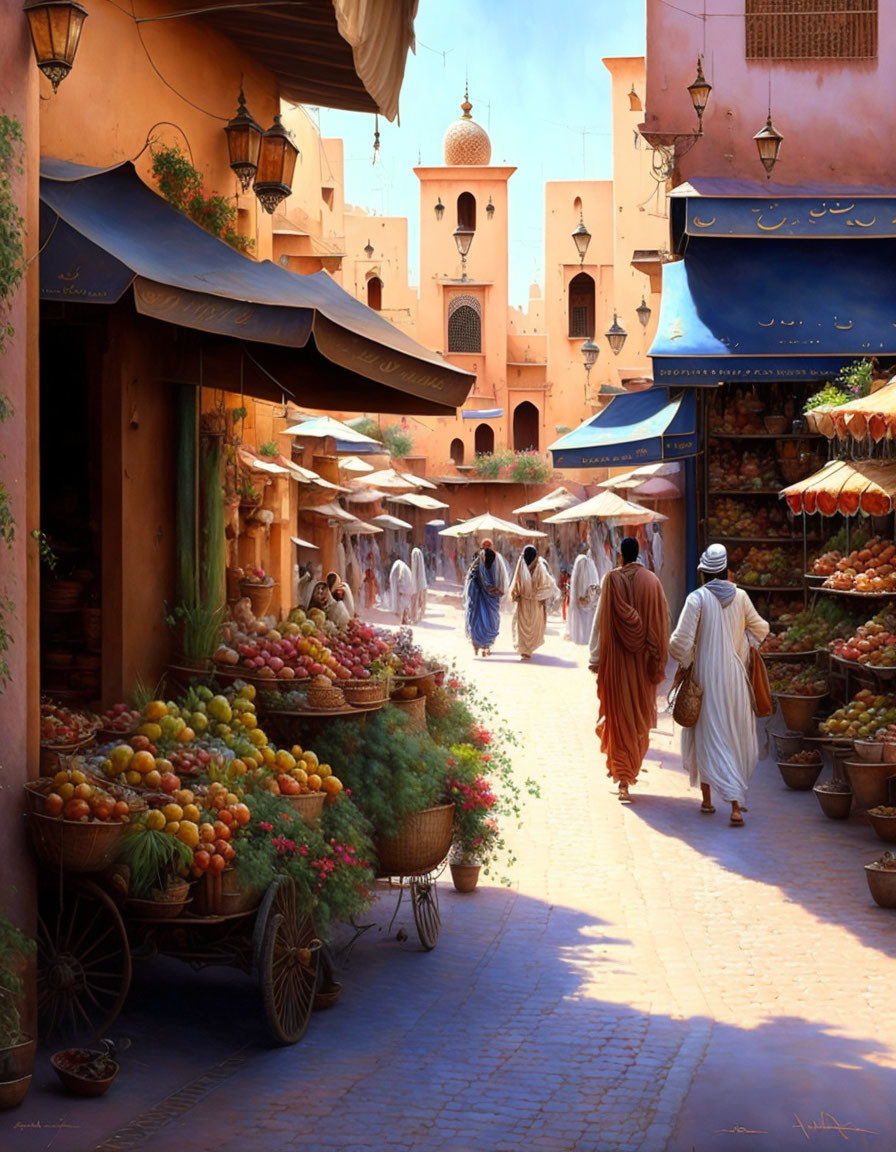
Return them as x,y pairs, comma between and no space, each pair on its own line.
532,589
630,645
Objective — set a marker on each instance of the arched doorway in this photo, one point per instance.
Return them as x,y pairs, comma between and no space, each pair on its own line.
375,293
581,306
484,440
525,427
457,450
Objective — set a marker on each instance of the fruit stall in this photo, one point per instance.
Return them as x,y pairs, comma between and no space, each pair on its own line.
754,444
254,813
833,669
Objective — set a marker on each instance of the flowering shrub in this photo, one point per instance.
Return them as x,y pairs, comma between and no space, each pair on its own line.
530,468
476,834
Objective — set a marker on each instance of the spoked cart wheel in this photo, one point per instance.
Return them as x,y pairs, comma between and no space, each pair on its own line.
425,902
286,953
83,961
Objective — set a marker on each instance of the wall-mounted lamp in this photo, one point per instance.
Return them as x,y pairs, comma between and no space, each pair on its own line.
700,89
439,209
244,136
590,353
368,248
581,238
276,165
55,33
463,238
643,312
490,209
668,147
634,100
616,336
768,141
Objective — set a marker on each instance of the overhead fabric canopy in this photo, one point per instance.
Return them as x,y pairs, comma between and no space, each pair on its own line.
104,231
386,521
365,496
332,511
356,465
300,543
873,416
553,502
418,500
482,413
637,427
846,486
280,466
388,478
609,507
485,523
346,438
744,310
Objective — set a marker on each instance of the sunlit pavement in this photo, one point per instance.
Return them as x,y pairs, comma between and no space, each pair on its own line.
654,979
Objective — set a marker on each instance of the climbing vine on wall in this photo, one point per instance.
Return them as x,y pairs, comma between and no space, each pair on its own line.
181,185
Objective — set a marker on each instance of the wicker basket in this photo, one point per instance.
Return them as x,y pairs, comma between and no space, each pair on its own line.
438,704
415,710
308,806
220,894
420,846
325,699
363,691
55,756
74,845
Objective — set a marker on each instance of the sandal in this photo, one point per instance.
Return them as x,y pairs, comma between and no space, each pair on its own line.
623,794
707,809
736,821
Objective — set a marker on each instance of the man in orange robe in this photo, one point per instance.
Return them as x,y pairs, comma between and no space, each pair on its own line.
629,647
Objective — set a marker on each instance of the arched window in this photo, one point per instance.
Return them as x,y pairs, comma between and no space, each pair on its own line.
466,211
457,450
464,324
525,427
375,293
581,306
484,440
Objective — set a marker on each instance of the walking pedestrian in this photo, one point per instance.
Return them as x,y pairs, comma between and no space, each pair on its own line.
531,589
370,584
418,597
401,585
714,632
584,587
628,652
484,586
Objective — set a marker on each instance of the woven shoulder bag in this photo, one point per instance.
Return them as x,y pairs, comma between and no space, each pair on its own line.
686,695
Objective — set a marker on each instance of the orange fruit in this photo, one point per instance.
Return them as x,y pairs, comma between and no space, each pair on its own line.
186,735
332,785
191,812
155,710
188,833
142,762
173,812
155,820
314,782
217,863
206,833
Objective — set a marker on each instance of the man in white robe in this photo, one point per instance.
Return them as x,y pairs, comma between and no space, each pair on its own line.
401,586
418,598
584,587
714,632
532,589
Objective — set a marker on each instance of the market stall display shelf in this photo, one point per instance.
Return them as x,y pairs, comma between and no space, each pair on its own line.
885,672
811,654
858,595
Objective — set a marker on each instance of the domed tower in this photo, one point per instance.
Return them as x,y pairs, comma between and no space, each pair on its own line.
463,272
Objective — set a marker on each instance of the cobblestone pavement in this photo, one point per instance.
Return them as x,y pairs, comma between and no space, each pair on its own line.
653,980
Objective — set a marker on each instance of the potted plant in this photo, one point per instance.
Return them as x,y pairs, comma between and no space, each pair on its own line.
475,836
16,1047
197,630
158,866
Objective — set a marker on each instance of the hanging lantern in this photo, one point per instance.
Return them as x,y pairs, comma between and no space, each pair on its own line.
368,249
768,141
643,312
276,164
581,238
55,34
490,209
700,89
616,336
439,209
463,238
243,143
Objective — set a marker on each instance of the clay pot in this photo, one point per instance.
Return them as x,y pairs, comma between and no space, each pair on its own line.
260,597
835,805
798,712
465,877
800,777
787,744
871,751
884,826
16,1064
868,782
882,885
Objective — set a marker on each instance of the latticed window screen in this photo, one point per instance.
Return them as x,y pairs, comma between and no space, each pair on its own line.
811,29
581,306
464,324
578,321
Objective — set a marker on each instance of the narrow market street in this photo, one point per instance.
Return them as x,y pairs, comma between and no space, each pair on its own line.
653,980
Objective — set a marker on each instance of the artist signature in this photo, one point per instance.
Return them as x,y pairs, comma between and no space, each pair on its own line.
40,1124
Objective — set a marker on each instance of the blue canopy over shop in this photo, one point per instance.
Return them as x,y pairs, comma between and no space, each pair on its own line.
635,428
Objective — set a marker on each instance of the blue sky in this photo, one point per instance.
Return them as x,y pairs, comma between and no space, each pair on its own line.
537,85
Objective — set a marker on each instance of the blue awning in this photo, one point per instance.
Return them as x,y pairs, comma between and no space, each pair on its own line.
742,310
482,413
636,428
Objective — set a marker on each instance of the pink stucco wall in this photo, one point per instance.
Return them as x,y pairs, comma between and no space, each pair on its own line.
834,115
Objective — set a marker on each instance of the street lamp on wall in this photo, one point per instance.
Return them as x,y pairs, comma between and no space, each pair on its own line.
439,209
244,137
590,353
699,90
463,238
616,336
768,141
643,312
276,165
490,209
581,238
55,34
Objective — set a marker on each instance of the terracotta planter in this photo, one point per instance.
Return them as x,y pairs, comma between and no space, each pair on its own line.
868,782
884,827
260,596
465,877
835,805
871,751
16,1064
787,744
882,885
800,777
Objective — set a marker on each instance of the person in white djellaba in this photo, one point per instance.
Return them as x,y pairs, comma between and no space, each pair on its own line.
532,589
714,632
401,586
418,598
584,588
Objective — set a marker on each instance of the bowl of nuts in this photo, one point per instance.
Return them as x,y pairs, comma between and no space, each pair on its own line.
801,770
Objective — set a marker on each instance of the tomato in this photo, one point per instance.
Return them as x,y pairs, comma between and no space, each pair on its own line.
201,860
242,813
226,816
217,863
121,808
221,847
77,810
53,804
206,833
222,830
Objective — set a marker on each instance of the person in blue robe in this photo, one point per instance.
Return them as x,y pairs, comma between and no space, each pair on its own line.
484,585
